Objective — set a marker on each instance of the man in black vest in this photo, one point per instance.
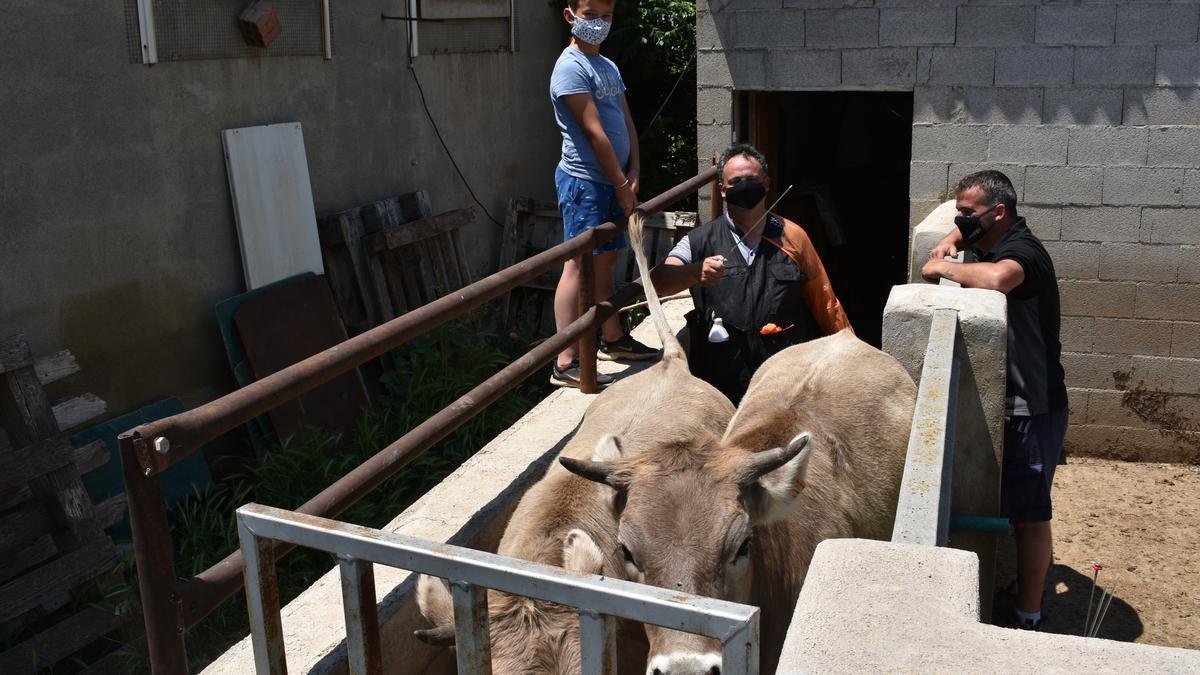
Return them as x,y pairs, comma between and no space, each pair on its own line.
1014,262
756,281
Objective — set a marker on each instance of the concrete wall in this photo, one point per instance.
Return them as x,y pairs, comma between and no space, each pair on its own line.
116,227
1092,109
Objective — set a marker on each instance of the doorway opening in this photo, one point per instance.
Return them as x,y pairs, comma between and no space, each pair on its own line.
847,155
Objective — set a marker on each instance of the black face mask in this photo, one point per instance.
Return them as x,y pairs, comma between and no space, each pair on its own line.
745,194
971,227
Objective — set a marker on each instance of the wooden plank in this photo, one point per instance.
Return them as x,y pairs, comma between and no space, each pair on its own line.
72,412
14,353
91,457
432,282
65,638
22,526
353,235
110,511
25,556
15,497
55,367
24,409
416,231
396,282
17,467
60,575
464,266
445,246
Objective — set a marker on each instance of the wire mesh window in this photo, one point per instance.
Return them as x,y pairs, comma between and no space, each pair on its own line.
465,26
208,29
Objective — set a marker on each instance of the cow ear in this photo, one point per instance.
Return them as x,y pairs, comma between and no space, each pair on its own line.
581,554
433,598
778,489
608,449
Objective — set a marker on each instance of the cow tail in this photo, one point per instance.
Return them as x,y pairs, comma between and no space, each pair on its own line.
671,346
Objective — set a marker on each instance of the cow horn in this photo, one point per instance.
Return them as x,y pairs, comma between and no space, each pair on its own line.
598,472
438,636
762,463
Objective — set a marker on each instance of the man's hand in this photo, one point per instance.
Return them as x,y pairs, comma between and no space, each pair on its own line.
942,250
711,270
932,270
635,179
626,198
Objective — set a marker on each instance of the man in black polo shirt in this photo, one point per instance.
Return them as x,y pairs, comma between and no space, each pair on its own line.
1013,261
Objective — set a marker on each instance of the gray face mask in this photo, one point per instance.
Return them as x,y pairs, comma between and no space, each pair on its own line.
591,31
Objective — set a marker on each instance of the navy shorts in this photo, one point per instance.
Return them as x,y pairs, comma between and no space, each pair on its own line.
584,204
1032,446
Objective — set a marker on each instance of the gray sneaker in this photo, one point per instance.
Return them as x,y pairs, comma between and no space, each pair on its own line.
569,377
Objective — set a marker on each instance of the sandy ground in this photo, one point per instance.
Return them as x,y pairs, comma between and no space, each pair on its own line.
1141,521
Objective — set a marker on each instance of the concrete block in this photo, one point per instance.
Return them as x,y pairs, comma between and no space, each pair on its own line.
982,353
911,26
1142,185
1075,25
1176,302
1170,374
769,29
1106,146
714,105
823,4
1077,333
1035,65
1101,223
729,7
1004,105
842,28
1124,65
713,31
949,142
1114,408
1191,188
1028,144
1185,339
995,26
928,230
1015,173
1145,24
1094,371
1138,262
1082,105
1176,66
739,69
1161,105
1132,336
928,179
1189,265
1063,185
939,104
958,65
1044,221
1174,146
1132,445
804,69
920,209
1171,226
895,67
1097,298
1074,259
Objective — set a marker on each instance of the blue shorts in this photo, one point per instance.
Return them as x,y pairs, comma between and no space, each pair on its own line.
1032,446
585,204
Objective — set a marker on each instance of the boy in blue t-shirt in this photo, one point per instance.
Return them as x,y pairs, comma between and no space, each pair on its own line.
597,178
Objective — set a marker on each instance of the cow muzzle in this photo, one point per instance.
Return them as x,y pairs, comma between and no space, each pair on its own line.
685,664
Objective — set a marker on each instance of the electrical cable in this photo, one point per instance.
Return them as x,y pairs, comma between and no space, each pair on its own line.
436,131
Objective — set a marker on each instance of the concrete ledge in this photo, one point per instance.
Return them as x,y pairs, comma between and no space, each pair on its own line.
469,508
928,233
872,606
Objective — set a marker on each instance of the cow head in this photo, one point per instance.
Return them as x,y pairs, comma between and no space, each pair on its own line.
526,635
687,521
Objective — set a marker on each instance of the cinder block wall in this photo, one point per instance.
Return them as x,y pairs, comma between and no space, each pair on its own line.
1092,109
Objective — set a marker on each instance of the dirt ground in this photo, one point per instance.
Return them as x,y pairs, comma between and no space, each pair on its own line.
1141,521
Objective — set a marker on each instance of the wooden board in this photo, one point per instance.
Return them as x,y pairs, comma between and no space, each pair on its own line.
60,575
64,638
272,202
287,325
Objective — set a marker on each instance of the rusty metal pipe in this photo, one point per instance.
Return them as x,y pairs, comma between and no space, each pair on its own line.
203,593
587,342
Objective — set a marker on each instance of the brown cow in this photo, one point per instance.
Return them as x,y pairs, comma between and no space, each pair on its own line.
567,521
815,451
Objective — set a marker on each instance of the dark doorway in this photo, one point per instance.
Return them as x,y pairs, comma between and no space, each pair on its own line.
847,156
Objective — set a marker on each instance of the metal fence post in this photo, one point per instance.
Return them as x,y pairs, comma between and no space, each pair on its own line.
472,639
362,616
597,643
262,602
587,342
739,652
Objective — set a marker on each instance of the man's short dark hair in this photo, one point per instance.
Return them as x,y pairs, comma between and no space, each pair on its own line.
740,150
997,188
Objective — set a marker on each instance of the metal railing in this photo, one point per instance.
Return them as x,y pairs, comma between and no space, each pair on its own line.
923,510
171,605
598,599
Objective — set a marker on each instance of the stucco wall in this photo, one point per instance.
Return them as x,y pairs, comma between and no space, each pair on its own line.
1090,108
116,227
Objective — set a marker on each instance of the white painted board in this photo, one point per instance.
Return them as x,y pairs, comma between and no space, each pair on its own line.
272,202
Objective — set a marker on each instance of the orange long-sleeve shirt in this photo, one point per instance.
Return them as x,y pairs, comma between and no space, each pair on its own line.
816,289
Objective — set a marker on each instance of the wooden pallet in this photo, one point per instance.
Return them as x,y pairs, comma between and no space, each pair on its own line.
52,539
532,226
388,257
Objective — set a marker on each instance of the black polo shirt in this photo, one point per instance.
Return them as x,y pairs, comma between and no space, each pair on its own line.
1036,382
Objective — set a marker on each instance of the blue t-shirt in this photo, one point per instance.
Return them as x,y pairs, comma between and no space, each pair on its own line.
578,73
